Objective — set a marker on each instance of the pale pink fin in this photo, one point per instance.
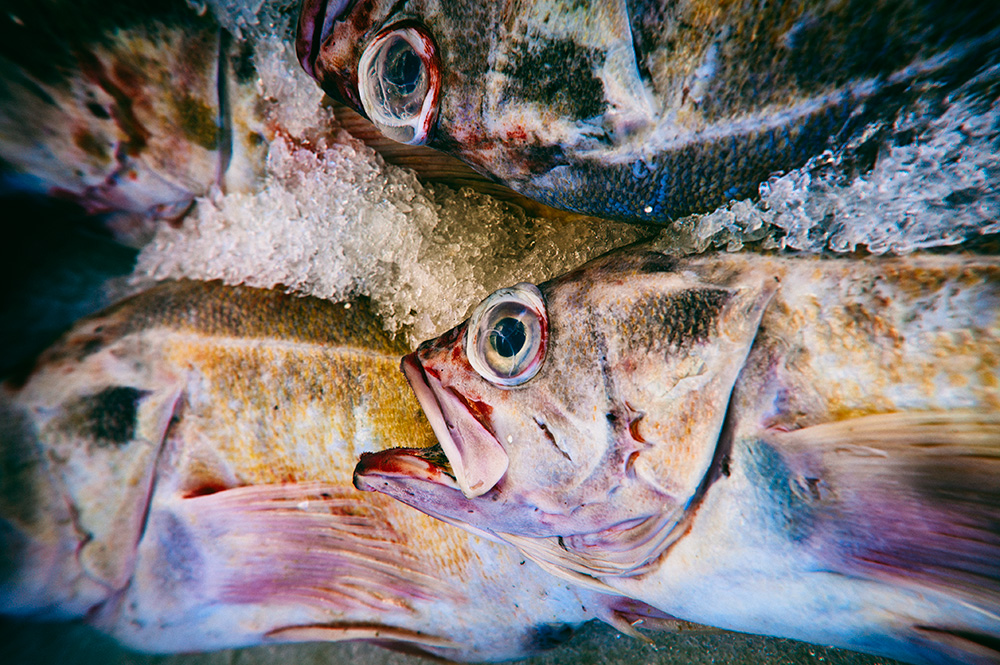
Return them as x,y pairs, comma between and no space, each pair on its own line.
349,632
911,499
309,543
627,616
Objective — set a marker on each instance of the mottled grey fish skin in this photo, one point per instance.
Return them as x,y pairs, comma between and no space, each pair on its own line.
645,111
176,472
806,448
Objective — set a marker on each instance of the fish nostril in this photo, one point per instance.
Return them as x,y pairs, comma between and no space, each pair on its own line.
630,464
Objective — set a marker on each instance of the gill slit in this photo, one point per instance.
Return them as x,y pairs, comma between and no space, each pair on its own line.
224,120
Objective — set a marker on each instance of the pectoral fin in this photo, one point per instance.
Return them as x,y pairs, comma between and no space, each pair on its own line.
263,562
912,499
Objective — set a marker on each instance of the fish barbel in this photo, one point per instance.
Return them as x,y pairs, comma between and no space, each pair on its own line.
177,470
126,109
800,447
644,111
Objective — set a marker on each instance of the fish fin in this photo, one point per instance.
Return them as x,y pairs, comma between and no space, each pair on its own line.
307,554
911,498
626,615
555,560
351,632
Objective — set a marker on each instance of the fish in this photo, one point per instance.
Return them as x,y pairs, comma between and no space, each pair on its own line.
647,110
804,447
176,471
130,110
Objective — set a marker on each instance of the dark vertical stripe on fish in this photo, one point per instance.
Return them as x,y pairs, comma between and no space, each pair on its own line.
224,121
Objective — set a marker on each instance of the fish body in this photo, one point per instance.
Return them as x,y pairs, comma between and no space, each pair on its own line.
801,447
124,109
644,111
176,470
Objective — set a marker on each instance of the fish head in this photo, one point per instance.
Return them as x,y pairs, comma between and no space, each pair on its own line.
507,89
383,63
79,440
587,405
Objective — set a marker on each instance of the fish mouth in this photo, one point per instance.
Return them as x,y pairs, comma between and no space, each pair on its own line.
316,19
427,464
468,456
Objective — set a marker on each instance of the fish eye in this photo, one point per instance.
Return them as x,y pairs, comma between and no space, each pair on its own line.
398,81
506,337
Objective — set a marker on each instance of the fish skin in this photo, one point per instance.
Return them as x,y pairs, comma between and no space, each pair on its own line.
123,109
176,470
830,472
646,111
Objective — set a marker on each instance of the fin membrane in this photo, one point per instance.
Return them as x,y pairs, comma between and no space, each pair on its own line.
301,543
907,497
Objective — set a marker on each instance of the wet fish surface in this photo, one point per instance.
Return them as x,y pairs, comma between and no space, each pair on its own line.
646,111
802,447
126,109
176,470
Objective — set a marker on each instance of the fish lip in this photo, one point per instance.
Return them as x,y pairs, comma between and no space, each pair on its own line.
478,460
403,463
315,25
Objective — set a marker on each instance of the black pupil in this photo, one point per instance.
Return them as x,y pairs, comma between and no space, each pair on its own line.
508,336
403,67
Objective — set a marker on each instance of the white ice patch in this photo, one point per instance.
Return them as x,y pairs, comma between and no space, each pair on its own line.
333,220
939,189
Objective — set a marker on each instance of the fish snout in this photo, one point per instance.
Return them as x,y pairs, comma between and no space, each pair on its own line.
477,459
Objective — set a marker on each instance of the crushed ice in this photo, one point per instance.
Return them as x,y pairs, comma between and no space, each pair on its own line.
332,219
935,185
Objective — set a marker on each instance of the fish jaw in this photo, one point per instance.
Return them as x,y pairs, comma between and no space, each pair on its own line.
316,22
478,461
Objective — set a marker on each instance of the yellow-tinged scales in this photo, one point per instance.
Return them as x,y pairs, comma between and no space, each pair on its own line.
189,456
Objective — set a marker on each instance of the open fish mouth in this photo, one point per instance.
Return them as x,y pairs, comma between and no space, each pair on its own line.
468,456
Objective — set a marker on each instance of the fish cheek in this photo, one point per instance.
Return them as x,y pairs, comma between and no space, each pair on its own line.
179,564
101,446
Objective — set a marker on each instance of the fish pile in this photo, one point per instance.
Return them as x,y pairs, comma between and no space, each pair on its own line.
177,470
787,445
